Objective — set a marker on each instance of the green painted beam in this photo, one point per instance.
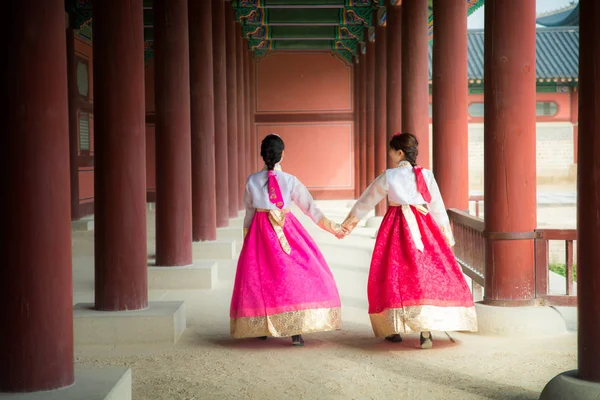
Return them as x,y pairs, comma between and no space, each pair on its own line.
305,16
304,32
303,44
302,3
352,46
309,32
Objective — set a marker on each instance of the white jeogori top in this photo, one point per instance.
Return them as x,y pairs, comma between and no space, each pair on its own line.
256,195
400,186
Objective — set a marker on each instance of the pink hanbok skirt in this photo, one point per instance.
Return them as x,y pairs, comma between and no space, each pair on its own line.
282,293
410,290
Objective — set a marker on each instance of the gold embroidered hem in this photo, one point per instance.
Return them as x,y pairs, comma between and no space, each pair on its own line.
277,220
415,319
287,324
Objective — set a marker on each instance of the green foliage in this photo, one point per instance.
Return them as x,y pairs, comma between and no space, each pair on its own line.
561,269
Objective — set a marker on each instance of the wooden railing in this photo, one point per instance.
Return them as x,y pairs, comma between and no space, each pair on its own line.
542,267
478,199
470,248
470,254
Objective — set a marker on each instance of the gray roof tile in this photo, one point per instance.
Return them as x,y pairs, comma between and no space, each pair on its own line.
557,53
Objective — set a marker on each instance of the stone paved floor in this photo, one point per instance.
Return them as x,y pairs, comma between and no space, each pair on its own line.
349,364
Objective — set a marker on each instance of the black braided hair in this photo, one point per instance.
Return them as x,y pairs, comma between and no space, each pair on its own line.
408,143
271,150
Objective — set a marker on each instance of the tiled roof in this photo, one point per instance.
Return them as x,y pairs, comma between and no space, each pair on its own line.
566,16
557,53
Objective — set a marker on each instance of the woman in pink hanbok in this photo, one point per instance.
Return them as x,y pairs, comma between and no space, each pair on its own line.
415,283
283,285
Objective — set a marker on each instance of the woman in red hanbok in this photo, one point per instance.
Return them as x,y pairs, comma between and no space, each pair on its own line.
415,283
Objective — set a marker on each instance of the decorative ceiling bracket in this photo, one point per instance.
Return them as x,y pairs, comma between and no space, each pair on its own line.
381,16
351,32
260,44
371,34
350,45
260,54
252,16
343,55
357,16
257,32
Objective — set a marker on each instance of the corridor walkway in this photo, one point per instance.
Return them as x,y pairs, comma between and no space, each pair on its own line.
350,364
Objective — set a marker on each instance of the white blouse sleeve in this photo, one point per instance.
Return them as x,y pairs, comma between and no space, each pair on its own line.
250,210
303,199
371,197
438,210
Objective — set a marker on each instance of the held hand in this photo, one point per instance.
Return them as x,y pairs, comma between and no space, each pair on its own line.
349,224
340,234
331,227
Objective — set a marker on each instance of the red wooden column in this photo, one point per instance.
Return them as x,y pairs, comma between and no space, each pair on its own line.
204,195
415,75
120,156
173,157
242,133
246,107
232,117
356,105
363,119
247,101
73,122
370,105
509,152
588,203
36,344
584,383
394,71
380,103
450,95
220,102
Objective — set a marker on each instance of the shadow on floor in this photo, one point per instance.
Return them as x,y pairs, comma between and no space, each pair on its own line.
255,344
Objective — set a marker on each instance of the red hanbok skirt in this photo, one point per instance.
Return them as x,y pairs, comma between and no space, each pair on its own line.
410,290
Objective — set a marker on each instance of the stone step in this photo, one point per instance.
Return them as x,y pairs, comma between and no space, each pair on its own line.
200,275
162,322
220,249
90,384
231,233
